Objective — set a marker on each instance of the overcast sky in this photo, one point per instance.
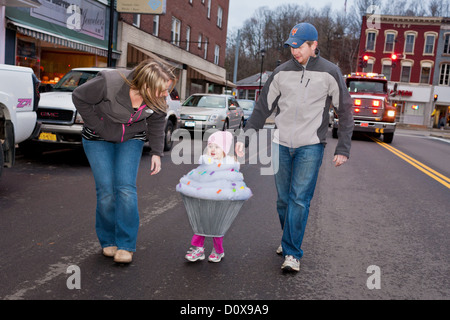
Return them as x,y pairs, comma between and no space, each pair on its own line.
241,10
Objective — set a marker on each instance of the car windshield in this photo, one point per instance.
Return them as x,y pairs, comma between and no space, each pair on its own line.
246,105
366,86
74,79
205,102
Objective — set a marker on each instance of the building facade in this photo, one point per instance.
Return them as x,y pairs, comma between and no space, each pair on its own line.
409,51
53,37
190,36
56,36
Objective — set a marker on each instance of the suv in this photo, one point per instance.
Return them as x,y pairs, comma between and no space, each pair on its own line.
372,109
61,123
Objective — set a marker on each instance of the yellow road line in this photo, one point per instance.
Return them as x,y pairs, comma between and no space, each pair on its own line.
417,164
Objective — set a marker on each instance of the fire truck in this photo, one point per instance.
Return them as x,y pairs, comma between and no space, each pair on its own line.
372,110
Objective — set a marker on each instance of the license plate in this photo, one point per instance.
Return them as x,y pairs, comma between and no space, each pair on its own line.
189,124
47,136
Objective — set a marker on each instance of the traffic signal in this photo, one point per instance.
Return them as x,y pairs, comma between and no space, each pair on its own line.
363,61
394,58
435,97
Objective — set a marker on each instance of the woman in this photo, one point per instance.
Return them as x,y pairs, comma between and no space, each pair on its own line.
120,110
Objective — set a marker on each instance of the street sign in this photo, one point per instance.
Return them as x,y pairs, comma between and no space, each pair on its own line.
142,6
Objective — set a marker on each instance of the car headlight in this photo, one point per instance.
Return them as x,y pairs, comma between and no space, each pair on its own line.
391,113
213,117
79,119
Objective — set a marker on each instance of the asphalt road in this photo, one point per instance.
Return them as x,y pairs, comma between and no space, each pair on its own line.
378,230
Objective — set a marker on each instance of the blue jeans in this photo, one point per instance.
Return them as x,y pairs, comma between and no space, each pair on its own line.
295,180
115,167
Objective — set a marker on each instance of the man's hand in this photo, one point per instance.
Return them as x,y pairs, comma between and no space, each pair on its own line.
339,160
155,165
239,149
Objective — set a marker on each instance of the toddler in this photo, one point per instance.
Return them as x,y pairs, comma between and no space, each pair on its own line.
216,178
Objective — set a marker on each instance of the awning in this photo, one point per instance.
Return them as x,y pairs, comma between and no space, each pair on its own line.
60,40
136,55
205,75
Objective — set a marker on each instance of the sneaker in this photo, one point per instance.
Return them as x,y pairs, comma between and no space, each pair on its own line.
195,253
280,250
290,264
215,257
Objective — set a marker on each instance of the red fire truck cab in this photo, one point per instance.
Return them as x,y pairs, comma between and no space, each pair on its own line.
372,109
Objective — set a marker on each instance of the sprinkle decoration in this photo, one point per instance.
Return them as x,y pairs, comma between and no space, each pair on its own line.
219,191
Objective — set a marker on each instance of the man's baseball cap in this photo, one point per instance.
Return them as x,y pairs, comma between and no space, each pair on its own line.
300,33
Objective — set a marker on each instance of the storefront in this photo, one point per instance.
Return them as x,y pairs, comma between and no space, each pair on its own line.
413,103
57,37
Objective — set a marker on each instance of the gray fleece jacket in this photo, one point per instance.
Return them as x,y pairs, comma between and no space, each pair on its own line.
105,105
301,97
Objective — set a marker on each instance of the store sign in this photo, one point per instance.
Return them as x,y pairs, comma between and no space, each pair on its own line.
403,93
84,16
142,6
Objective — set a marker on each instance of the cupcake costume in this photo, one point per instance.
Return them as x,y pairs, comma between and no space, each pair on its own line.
213,193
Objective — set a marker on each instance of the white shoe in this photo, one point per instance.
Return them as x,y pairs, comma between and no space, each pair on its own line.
195,253
215,257
280,250
290,264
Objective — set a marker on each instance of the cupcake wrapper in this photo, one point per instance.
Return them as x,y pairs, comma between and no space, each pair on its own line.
211,218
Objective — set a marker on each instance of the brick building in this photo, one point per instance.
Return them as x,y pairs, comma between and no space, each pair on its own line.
190,36
406,50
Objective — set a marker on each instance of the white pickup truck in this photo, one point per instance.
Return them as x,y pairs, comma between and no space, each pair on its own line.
61,123
19,97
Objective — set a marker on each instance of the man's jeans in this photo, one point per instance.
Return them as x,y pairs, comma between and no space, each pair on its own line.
115,167
295,181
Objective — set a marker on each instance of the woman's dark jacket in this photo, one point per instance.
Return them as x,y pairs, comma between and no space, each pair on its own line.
104,104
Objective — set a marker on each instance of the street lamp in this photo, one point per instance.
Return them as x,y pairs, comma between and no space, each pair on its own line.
263,52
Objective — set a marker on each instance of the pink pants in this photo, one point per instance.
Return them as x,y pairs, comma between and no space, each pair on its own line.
199,241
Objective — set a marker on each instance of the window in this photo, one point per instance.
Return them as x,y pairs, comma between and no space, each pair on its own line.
216,54
406,73
425,71
425,75
389,45
370,43
199,44
156,25
386,69
447,44
136,20
205,56
429,43
188,38
209,9
444,74
175,32
409,43
219,17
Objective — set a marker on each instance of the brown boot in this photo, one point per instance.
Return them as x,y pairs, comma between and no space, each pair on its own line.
123,256
109,251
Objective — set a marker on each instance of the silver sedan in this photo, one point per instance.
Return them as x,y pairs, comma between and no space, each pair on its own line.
211,111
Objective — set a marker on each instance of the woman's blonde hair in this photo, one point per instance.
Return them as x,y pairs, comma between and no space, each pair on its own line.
150,80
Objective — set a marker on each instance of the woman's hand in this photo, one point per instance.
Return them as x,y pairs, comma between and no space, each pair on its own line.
155,165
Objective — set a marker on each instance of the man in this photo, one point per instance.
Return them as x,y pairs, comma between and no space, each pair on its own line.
300,92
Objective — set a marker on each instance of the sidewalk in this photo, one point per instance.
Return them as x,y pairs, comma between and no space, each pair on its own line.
433,132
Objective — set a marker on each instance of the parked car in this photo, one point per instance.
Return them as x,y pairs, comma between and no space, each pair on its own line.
62,124
211,111
247,106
